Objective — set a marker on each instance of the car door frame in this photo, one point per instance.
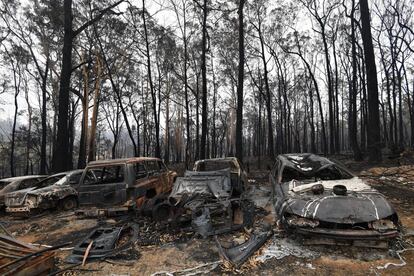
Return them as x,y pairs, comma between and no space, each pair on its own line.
102,194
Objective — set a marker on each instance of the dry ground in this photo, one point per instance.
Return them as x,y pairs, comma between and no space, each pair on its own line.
172,250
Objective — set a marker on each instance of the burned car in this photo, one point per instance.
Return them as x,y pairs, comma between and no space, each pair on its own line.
12,184
105,183
238,175
55,191
125,182
209,198
318,198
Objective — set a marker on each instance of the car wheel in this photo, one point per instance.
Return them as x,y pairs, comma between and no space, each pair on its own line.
68,203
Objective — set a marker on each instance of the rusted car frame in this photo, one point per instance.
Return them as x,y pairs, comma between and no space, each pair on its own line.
208,199
125,182
237,172
316,197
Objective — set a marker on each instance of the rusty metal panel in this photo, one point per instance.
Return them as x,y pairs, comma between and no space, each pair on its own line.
12,249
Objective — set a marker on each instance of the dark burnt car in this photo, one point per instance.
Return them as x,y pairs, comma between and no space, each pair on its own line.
55,191
210,197
316,197
237,173
125,182
13,184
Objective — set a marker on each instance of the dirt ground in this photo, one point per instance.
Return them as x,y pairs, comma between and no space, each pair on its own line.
171,250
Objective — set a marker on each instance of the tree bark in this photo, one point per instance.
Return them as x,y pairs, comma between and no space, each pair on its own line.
352,122
94,119
204,115
85,108
61,151
152,89
43,151
239,120
374,135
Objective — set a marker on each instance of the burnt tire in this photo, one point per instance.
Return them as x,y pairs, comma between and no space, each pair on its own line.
68,203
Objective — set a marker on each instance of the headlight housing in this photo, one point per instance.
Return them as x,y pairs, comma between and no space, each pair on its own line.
31,201
301,222
383,225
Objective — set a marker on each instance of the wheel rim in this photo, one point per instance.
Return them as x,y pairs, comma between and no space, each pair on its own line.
68,204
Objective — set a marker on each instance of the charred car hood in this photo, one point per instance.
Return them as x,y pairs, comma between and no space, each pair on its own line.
16,198
361,204
212,183
52,189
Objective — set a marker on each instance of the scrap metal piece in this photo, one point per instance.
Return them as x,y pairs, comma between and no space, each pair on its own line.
18,258
239,254
280,248
215,183
202,222
104,241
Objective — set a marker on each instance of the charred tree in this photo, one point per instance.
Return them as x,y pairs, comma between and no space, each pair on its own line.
203,142
374,135
239,120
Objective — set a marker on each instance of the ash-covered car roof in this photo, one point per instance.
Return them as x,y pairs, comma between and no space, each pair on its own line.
18,178
122,161
304,162
218,159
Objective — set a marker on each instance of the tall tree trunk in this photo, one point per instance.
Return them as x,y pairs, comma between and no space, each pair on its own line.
85,109
270,148
204,84
239,120
352,122
94,119
16,109
374,135
61,151
43,151
29,129
187,107
152,89
330,93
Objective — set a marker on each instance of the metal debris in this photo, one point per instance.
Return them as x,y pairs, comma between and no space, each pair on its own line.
198,270
237,255
281,248
18,258
102,243
398,255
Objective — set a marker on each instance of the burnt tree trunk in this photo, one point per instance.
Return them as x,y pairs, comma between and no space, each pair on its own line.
152,89
239,120
374,135
203,141
352,121
61,151
42,169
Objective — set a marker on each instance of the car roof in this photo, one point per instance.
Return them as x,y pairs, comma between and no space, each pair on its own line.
306,162
18,178
66,173
122,161
220,159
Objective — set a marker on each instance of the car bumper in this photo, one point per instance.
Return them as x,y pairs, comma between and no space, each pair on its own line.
348,234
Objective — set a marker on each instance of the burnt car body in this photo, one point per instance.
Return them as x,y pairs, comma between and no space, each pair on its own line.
125,182
104,183
316,197
13,184
237,173
210,196
55,191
